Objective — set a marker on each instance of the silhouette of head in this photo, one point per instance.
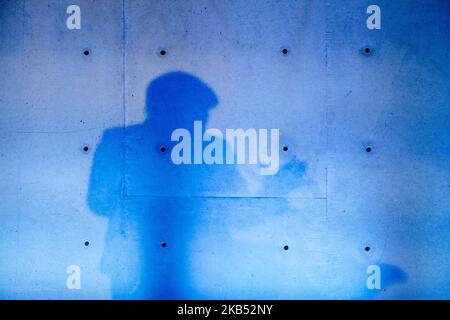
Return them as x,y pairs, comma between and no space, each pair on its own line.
176,99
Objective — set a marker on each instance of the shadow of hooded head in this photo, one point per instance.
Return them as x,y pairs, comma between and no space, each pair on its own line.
145,196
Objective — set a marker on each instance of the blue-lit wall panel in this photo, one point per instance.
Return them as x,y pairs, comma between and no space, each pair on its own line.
363,175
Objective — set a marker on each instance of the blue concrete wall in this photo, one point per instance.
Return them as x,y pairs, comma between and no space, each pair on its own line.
310,231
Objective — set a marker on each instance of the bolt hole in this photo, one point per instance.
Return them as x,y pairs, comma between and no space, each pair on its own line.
86,52
163,244
285,148
86,149
162,149
285,51
163,52
367,249
86,243
367,51
368,149
286,247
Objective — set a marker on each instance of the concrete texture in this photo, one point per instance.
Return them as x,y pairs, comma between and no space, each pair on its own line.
334,208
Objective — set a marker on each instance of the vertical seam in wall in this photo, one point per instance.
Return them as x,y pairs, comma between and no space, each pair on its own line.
124,119
327,91
20,160
327,101
123,49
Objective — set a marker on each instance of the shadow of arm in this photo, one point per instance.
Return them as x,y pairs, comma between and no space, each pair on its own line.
106,179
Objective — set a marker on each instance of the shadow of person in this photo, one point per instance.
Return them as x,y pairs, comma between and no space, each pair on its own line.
150,202
189,231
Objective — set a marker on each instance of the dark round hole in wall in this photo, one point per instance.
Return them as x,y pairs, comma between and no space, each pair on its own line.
286,247
367,51
367,249
162,149
285,148
369,149
285,51
163,244
86,243
86,52
163,52
85,148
